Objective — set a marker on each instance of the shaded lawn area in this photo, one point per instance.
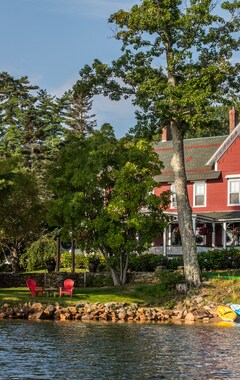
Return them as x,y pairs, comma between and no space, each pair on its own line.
128,294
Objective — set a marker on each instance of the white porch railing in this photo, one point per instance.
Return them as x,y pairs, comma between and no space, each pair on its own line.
177,250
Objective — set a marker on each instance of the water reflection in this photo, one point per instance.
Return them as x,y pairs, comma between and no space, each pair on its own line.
76,350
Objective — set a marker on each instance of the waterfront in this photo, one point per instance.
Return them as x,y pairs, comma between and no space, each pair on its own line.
76,350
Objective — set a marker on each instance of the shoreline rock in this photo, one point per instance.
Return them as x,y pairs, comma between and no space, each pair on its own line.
112,312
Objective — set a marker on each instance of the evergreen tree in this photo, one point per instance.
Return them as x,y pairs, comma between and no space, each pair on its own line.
78,107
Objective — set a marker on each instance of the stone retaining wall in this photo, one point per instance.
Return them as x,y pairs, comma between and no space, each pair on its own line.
55,279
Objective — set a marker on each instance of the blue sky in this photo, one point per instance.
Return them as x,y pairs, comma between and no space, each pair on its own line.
51,40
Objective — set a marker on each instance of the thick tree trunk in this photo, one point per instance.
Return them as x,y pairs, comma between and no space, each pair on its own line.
191,266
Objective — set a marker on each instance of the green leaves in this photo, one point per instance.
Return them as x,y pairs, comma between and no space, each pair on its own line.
178,61
102,185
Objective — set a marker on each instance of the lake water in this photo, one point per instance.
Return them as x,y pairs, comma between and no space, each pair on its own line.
78,350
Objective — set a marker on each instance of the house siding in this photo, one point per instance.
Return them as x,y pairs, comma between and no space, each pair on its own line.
216,190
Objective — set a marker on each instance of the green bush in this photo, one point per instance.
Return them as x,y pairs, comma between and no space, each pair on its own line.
146,262
219,259
169,279
165,287
66,259
82,261
175,262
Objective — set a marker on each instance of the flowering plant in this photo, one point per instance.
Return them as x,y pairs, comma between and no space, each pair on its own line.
177,230
203,231
236,231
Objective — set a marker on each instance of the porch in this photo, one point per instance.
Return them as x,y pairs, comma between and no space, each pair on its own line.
212,230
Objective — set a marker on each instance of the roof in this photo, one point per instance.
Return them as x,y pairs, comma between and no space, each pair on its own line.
220,217
198,152
228,216
225,145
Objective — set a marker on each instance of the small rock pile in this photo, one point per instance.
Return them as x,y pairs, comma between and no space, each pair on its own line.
187,311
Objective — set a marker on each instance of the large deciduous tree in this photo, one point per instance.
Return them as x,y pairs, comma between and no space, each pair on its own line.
104,197
178,64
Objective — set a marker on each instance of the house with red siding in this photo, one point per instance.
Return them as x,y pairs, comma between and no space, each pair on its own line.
213,183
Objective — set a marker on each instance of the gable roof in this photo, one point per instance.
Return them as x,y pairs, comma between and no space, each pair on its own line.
225,145
198,153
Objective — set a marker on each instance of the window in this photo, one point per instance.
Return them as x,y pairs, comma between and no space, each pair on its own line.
234,192
199,194
173,197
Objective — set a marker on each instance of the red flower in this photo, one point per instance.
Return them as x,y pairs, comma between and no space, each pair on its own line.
203,231
236,231
177,230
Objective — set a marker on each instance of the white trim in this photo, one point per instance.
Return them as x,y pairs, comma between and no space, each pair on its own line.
228,193
224,146
233,176
204,194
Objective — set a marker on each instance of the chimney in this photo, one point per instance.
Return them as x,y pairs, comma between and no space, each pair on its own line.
166,134
233,119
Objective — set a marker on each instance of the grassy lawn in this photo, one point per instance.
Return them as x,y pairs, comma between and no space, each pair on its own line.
223,274
221,287
128,294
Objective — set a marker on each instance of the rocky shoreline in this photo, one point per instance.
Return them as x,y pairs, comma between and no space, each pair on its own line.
194,310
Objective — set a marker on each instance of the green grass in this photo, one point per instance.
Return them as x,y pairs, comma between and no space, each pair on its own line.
128,294
227,274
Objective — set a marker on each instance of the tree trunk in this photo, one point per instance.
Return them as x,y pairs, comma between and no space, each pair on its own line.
191,266
14,259
189,248
115,277
120,278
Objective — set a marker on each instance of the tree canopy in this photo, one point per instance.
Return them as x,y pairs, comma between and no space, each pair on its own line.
178,65
104,197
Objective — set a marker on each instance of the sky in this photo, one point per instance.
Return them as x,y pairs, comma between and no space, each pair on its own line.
50,41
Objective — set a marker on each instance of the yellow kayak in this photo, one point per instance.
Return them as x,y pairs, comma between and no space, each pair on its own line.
226,313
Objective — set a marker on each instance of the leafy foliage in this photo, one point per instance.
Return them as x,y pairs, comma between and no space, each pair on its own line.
178,65
104,196
22,213
219,259
39,253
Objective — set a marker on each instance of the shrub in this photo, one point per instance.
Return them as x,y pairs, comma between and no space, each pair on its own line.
169,279
146,262
166,286
66,259
175,262
219,259
82,261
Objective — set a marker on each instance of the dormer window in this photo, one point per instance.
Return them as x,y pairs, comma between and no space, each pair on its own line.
199,194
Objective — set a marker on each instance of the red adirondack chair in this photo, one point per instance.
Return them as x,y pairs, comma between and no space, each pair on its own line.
33,288
67,288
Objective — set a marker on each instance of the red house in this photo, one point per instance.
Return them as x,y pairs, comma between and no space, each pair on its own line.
213,183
